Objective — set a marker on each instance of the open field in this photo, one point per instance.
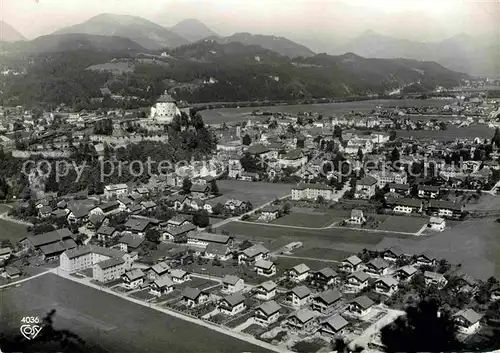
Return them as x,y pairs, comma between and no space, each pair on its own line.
322,253
486,202
403,224
285,263
451,133
306,220
340,239
475,244
108,323
258,193
218,116
11,230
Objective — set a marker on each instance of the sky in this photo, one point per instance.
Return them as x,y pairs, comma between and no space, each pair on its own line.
320,23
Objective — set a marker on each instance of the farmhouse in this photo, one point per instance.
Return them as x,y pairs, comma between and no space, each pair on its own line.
267,313
405,205
428,191
51,244
203,239
401,189
446,209
325,301
232,304
266,290
270,213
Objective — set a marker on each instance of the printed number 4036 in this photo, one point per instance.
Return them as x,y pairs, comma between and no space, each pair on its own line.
30,320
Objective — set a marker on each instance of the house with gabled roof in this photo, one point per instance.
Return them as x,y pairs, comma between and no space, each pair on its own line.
361,306
219,251
298,273
365,188
232,284
179,276
303,319
194,296
377,267
405,273
467,320
133,278
266,290
325,301
232,304
265,268
325,276
161,286
253,254
358,280
160,270
333,326
352,264
300,296
386,285
267,313
435,278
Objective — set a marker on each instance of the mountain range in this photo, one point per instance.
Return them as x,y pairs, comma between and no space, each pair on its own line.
193,30
464,53
9,33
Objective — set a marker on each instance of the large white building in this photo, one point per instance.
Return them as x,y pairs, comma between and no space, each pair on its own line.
164,110
87,256
312,191
385,177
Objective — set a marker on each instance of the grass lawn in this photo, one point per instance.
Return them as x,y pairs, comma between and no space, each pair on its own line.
195,282
403,224
306,220
322,253
108,323
239,320
258,193
143,294
10,230
285,263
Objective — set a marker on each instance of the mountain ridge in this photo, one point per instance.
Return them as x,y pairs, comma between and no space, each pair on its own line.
9,34
193,29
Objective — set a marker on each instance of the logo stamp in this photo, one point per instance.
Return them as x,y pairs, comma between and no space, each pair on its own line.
30,327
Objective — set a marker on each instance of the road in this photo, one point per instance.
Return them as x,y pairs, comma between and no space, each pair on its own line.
237,335
24,279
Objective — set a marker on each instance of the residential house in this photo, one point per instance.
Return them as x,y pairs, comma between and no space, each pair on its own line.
312,192
357,280
269,213
405,273
262,152
325,301
161,286
300,296
405,205
361,306
160,270
424,260
249,176
180,276
437,224
365,188
106,232
236,206
252,254
298,273
401,189
133,278
393,254
267,313
385,177
293,159
266,290
178,234
138,226
446,209
467,320
194,296
232,284
108,270
130,242
333,326
386,285
303,319
232,304
12,272
377,267
428,191
434,278
219,251
115,190
357,217
495,292
265,268
110,207
351,264
325,277
5,253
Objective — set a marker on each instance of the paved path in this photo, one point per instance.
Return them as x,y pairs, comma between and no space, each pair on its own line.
223,330
5,216
25,279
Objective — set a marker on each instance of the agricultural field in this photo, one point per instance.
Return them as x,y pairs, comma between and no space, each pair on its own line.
219,116
451,133
403,224
322,253
258,193
108,323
